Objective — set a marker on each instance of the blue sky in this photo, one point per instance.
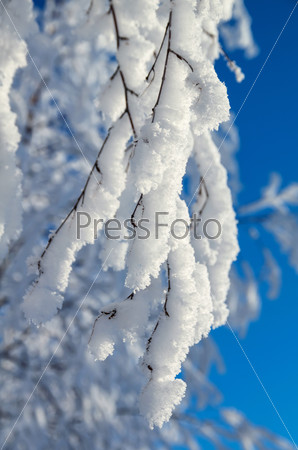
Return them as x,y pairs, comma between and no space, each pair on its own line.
268,131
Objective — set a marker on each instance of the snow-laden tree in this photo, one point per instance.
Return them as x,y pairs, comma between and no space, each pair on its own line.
124,103
157,119
13,56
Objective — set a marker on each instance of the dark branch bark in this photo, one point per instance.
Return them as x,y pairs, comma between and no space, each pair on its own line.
165,65
132,217
182,59
203,187
168,31
111,314
165,312
127,90
157,56
168,291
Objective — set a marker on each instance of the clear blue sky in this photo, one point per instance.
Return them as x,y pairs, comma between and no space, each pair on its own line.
269,135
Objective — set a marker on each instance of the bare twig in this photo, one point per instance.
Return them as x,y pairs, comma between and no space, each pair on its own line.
111,314
168,32
165,313
182,59
168,291
203,187
157,56
165,65
89,8
132,217
127,90
30,116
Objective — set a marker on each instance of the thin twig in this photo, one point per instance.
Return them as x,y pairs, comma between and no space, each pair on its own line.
168,32
203,185
168,291
165,66
111,315
132,217
165,312
127,90
157,56
182,59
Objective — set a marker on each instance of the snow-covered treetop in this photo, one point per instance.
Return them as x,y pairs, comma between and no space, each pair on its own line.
136,82
161,103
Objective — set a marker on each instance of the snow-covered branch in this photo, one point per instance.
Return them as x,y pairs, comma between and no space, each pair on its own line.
159,106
